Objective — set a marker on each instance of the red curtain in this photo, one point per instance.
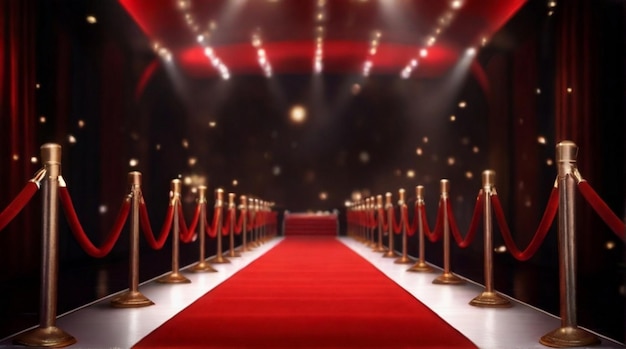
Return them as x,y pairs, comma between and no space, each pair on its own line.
576,110
19,241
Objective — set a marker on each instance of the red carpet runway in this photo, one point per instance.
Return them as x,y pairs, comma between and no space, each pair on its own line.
307,292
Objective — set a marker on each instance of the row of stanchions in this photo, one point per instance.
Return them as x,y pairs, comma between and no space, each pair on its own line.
369,222
253,219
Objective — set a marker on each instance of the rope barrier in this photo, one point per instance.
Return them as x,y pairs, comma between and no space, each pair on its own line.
188,234
602,209
435,234
412,227
239,224
155,243
226,224
18,203
211,230
540,234
478,211
397,226
382,218
79,233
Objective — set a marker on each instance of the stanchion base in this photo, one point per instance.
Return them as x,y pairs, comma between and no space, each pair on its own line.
173,278
219,259
404,260
566,337
50,337
421,267
390,254
202,267
448,279
379,249
130,299
245,248
233,254
490,300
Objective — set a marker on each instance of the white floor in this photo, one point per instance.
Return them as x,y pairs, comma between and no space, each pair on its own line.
98,325
520,326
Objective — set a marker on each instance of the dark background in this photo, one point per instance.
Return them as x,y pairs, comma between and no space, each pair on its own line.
91,73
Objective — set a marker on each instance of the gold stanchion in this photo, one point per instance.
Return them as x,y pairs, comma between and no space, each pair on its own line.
359,225
202,265
369,208
175,277
133,298
219,203
569,334
389,207
253,211
259,215
48,334
404,259
489,298
379,243
263,210
447,278
420,265
231,227
243,210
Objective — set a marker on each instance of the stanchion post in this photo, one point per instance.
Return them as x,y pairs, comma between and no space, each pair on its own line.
219,203
133,298
569,334
404,258
369,207
389,209
420,265
257,210
231,227
379,243
447,277
243,211
489,298
252,209
202,265
175,277
48,334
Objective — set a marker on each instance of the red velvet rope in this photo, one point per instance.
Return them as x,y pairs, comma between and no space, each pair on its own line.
397,227
239,224
410,228
18,204
188,234
478,211
435,234
79,233
602,209
382,218
226,224
540,234
211,230
156,244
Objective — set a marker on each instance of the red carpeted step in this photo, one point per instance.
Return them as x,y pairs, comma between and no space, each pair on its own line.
310,224
307,292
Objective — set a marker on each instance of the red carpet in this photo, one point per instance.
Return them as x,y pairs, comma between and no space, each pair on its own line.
307,292
311,224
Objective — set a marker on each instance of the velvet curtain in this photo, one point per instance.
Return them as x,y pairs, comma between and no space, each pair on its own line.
18,143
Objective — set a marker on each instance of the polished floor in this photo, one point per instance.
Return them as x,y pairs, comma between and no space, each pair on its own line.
98,325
